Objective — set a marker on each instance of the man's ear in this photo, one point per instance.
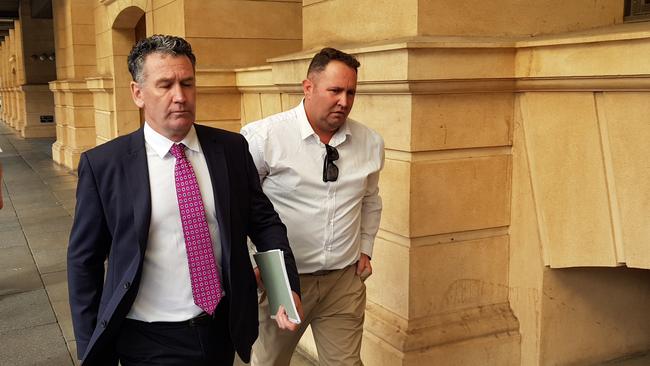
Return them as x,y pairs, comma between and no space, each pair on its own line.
307,88
136,94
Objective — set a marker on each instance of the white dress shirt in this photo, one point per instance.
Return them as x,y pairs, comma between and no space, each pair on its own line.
329,224
165,292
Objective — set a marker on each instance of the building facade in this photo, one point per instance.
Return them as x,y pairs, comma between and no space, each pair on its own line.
515,215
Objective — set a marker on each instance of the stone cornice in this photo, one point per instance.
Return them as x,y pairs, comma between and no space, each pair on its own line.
99,84
606,59
221,81
69,85
511,85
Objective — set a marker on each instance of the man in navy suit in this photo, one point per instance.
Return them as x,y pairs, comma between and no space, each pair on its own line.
141,306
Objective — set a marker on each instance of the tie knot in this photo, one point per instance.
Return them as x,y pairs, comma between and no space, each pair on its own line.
178,150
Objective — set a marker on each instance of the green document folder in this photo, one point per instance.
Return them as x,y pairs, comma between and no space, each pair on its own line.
276,283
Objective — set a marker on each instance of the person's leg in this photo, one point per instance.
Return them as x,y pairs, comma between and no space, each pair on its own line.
337,323
275,347
149,344
204,341
215,340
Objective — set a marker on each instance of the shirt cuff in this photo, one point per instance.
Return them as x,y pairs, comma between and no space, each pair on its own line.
366,247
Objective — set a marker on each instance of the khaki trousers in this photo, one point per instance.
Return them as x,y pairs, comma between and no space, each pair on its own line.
334,306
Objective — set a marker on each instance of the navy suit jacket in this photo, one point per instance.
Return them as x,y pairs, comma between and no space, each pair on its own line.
112,217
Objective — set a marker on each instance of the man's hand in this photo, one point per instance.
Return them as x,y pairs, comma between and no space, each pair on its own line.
283,320
258,278
364,268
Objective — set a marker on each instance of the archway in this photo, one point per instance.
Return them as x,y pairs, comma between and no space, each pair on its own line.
129,26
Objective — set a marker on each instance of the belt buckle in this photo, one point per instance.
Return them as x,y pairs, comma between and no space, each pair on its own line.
200,319
322,272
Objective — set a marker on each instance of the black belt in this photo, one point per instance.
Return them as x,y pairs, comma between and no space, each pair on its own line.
201,319
324,272
321,272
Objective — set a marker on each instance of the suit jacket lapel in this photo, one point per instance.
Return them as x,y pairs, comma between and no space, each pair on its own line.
137,177
215,157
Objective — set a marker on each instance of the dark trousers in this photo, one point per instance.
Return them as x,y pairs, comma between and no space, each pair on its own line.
201,341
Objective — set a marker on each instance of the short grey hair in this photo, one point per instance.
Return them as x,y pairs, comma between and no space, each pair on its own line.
158,43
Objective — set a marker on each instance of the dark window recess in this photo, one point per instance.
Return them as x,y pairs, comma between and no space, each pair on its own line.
47,119
637,10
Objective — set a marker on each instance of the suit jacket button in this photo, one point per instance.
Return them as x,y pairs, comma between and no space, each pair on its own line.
127,285
103,324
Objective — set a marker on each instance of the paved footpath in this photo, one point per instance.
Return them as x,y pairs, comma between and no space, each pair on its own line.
35,326
39,200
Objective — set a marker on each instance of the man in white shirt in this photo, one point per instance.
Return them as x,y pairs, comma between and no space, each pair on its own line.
170,206
321,169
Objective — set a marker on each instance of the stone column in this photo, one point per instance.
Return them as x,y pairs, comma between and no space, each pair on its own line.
19,109
74,41
75,122
102,90
80,120
59,146
36,106
39,111
439,294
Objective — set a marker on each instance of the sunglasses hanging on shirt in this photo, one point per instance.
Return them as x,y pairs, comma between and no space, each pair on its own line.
330,170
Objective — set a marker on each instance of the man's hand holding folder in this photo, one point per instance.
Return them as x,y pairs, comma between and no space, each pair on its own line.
271,270
282,318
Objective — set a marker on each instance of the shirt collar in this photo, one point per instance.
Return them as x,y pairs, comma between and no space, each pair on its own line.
306,130
161,144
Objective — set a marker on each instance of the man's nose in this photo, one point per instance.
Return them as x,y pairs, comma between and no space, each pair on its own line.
178,94
344,99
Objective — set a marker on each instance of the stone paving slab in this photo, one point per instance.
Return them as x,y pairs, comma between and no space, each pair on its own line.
57,291
12,238
17,271
72,347
42,345
65,195
42,240
25,310
33,215
48,224
24,209
9,222
51,260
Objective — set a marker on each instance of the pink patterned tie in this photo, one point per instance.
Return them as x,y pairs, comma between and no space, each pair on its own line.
206,287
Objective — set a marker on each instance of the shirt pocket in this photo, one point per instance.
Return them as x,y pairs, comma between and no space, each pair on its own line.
282,178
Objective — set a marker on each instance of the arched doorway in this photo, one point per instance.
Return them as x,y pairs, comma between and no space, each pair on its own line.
128,28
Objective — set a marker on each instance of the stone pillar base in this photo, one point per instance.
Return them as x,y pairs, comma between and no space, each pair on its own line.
486,335
501,349
32,131
71,157
37,111
58,152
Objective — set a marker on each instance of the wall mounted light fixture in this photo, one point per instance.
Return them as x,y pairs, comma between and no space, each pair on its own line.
43,57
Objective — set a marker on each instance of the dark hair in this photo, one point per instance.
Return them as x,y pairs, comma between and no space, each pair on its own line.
322,58
170,45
